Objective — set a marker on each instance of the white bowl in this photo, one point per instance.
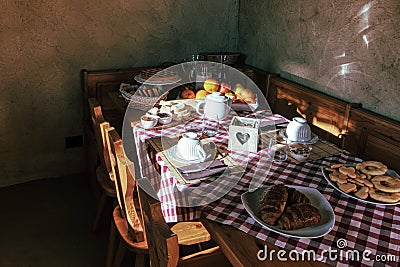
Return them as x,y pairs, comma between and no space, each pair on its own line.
148,121
298,130
299,151
164,117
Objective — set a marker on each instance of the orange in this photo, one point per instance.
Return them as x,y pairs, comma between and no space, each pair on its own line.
211,85
201,94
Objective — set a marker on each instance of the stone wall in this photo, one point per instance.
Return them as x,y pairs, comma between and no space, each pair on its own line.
44,45
347,49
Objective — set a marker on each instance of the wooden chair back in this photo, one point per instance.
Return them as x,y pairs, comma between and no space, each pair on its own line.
123,170
162,242
99,128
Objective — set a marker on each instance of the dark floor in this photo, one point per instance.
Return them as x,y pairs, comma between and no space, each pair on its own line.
48,223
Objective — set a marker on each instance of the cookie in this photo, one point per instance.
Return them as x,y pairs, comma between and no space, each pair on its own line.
347,187
362,192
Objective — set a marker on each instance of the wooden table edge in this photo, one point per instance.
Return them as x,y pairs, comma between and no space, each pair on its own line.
241,249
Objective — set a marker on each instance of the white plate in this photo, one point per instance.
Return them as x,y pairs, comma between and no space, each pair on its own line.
153,81
209,148
368,200
314,137
250,201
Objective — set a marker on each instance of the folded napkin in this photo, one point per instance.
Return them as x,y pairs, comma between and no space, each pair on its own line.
201,170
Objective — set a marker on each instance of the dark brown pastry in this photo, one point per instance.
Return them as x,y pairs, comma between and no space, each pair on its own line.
295,196
272,203
298,216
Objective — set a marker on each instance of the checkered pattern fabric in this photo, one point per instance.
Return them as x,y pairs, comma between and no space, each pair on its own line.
365,227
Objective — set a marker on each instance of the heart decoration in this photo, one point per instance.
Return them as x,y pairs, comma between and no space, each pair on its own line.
242,137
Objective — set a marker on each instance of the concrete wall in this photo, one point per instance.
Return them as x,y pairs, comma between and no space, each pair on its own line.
346,48
44,45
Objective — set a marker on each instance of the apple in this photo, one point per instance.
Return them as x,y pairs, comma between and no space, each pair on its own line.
247,94
238,89
211,85
224,88
188,94
250,100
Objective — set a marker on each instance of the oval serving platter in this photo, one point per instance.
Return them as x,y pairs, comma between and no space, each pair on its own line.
368,200
250,201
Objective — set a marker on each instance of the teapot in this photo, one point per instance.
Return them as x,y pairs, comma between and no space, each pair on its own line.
215,106
190,147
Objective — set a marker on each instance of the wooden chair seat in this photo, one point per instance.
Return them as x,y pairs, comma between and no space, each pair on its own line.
191,233
164,243
122,227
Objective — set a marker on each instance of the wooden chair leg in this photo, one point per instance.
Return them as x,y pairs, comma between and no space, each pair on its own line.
111,244
140,260
100,211
119,255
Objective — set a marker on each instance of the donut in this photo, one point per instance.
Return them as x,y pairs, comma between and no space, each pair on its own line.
373,168
384,197
386,183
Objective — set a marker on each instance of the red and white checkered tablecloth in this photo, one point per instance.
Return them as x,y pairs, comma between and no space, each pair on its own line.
365,227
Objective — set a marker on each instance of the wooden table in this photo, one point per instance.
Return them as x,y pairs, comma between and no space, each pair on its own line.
242,249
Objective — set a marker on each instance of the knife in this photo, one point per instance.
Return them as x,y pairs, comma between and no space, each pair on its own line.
208,165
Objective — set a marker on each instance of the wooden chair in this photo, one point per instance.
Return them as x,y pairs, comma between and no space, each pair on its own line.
126,223
163,243
103,170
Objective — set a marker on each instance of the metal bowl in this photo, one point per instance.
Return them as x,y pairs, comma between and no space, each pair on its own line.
225,58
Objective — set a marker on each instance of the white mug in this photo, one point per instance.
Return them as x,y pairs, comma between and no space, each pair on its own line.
190,147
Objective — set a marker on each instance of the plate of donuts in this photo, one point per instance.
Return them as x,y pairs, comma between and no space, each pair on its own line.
367,181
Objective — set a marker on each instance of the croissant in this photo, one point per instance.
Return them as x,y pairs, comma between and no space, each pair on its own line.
272,203
298,216
295,196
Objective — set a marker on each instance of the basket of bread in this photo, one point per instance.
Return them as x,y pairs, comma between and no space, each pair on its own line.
368,181
143,97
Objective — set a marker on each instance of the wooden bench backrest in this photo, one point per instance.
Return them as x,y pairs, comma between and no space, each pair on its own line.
374,137
362,133
326,115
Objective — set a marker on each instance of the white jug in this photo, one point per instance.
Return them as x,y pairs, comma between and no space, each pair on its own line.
215,105
190,148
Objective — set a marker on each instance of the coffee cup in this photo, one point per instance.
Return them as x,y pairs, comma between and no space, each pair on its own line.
298,130
190,148
148,121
